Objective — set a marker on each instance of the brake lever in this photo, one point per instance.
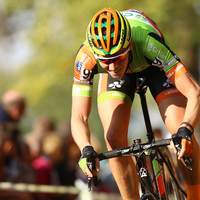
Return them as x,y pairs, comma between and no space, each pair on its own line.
91,165
185,159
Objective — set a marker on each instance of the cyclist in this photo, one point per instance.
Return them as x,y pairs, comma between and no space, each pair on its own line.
121,46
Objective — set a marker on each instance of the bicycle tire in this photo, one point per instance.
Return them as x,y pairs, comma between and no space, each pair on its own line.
171,188
149,196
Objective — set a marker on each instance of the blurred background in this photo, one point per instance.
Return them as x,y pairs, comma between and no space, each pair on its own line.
39,40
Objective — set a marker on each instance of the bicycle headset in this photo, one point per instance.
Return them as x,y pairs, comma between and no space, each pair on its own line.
108,32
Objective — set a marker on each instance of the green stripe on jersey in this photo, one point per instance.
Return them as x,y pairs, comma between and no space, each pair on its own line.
82,90
114,95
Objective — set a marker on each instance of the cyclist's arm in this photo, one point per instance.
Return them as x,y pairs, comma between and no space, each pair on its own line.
159,54
191,90
85,68
81,107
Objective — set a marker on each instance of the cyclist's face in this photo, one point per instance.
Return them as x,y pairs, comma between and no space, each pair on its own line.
116,67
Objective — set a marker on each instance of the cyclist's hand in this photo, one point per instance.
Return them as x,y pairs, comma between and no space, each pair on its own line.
185,135
83,161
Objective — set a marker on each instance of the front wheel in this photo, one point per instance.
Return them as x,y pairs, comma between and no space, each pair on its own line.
172,189
149,196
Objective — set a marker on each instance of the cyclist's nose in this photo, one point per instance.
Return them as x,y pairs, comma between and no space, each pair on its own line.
112,66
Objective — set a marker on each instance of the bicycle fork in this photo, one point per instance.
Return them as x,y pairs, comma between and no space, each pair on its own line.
158,177
146,183
151,187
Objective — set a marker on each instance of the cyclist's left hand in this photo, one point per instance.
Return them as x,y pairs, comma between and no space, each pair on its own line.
185,135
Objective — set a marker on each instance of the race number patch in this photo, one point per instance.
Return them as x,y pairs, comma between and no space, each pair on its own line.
84,63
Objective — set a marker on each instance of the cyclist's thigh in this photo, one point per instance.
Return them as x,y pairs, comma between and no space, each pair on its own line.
114,105
172,110
170,101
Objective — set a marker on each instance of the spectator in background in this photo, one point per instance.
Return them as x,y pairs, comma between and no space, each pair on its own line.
44,170
42,127
57,161
71,155
44,165
14,157
67,166
15,151
12,106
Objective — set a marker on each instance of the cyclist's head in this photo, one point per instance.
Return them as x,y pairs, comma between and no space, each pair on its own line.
108,32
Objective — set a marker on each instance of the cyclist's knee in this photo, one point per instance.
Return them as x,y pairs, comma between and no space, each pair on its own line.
115,140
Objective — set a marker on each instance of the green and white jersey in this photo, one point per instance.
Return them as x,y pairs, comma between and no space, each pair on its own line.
150,47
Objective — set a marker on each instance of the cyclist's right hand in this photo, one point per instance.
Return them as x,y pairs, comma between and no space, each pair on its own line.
185,136
83,161
176,142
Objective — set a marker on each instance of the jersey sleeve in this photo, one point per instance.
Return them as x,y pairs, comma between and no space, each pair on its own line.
158,53
85,67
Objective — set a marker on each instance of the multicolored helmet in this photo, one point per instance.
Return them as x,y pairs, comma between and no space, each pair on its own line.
108,32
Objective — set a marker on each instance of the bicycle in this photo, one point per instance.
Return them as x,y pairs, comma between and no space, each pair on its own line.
157,175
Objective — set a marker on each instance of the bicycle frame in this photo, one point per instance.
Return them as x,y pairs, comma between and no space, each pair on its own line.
141,90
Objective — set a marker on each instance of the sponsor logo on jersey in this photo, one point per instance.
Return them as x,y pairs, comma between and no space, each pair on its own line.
159,63
135,14
78,65
140,18
167,83
116,84
150,47
172,91
178,67
81,62
117,94
82,68
79,88
169,75
174,73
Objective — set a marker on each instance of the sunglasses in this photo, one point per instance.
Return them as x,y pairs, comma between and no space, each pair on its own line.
114,59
